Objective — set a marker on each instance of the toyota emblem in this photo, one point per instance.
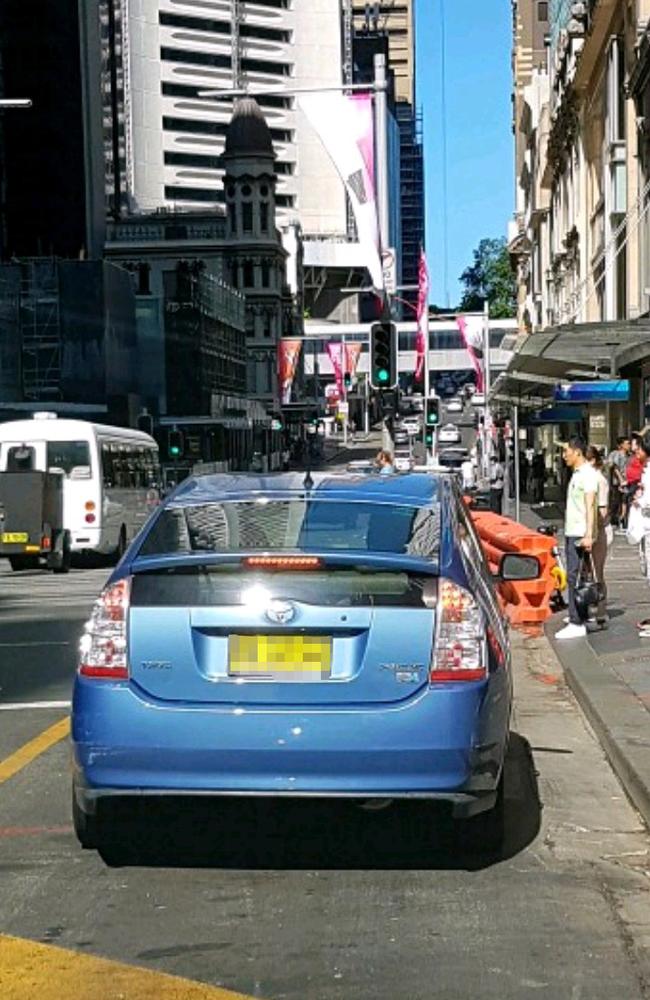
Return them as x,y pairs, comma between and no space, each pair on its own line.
280,612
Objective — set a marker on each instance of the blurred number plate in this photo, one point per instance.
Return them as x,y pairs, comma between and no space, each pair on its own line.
14,537
283,657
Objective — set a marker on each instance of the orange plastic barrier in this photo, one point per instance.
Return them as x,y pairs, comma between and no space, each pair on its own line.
527,602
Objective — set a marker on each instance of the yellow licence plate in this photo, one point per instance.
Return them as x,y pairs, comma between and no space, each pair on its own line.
286,657
14,537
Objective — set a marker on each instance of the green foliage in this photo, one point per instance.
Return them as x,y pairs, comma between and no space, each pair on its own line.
490,277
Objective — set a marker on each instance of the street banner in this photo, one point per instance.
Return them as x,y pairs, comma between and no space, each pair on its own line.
472,332
353,353
288,354
335,352
422,317
344,124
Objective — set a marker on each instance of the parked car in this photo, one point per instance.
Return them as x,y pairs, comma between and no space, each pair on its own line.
478,399
454,405
449,434
261,637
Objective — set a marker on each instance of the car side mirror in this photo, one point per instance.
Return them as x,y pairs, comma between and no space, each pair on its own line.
515,568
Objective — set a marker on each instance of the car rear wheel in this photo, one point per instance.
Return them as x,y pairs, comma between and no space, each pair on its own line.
86,826
484,833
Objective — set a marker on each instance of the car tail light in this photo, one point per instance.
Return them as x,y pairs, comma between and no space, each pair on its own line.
103,645
90,518
459,652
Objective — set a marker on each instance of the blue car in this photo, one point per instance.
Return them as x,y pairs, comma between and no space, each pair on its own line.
276,636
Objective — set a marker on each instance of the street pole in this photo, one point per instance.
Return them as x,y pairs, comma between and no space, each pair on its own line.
515,431
486,388
381,149
344,367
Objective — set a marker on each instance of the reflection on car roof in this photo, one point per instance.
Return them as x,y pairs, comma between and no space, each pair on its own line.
408,488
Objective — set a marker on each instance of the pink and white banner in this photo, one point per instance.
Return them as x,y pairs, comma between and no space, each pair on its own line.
422,316
288,354
353,353
335,351
345,126
472,332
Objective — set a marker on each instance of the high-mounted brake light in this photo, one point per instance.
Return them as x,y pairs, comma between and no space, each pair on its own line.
282,562
103,645
459,651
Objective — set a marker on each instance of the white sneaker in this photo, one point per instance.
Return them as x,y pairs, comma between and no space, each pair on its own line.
571,631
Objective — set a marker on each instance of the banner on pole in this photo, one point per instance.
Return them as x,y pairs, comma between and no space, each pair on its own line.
335,352
353,353
288,354
344,124
422,316
472,331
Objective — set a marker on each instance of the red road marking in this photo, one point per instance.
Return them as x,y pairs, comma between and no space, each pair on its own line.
32,831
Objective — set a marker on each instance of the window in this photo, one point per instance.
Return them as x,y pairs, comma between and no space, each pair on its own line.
542,11
264,217
247,217
129,466
265,274
249,274
69,455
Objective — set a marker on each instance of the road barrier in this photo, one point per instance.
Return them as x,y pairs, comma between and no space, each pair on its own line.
526,602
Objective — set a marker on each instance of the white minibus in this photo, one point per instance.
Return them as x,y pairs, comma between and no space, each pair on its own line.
112,476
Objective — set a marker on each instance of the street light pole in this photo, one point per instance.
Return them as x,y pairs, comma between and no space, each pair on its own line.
486,388
381,148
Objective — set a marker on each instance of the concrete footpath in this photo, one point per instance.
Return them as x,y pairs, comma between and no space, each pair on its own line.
609,670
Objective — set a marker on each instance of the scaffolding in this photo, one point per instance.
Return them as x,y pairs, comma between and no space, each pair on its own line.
40,325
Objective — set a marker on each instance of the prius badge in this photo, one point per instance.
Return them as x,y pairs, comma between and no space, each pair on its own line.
280,612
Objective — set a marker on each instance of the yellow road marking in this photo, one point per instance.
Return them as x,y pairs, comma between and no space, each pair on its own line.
29,970
29,751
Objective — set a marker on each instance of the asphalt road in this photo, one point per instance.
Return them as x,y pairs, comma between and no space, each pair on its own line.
321,902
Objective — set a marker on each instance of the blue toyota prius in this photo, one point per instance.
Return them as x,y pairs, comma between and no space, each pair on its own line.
271,635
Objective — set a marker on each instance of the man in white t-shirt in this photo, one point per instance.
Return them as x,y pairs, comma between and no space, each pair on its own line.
579,526
467,474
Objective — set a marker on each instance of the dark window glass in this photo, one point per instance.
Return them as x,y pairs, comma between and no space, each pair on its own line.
264,217
247,217
69,455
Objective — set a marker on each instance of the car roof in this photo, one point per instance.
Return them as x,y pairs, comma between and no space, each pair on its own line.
412,489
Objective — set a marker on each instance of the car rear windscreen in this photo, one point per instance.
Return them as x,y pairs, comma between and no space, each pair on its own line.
300,524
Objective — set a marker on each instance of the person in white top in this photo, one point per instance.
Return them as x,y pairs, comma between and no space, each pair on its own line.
579,527
604,534
467,474
642,499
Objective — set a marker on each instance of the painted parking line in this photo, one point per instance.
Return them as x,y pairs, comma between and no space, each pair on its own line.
23,706
30,751
29,969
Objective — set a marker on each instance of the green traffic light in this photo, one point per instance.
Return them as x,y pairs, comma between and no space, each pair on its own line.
382,375
174,450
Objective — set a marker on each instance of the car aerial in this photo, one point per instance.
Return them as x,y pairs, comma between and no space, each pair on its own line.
454,405
332,635
449,434
478,399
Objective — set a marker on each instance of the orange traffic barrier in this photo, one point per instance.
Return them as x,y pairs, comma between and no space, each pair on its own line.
526,602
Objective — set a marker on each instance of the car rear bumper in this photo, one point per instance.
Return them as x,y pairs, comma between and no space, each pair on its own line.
444,744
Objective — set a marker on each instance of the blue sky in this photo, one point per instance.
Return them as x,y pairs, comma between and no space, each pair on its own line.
479,138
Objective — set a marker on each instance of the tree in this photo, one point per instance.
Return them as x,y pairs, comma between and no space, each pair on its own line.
490,277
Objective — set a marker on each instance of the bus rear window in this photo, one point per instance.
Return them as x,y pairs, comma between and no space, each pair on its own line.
69,456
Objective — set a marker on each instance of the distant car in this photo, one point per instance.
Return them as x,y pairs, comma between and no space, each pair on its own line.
412,425
403,460
401,434
262,638
452,458
454,405
478,399
449,434
470,388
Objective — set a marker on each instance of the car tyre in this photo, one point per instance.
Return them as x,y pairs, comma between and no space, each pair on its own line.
86,826
484,834
63,559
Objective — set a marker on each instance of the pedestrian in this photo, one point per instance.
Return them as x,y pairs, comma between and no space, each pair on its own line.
467,474
618,461
579,527
539,473
639,504
384,462
634,469
497,476
604,533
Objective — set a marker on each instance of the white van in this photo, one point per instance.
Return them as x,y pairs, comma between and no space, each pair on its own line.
112,475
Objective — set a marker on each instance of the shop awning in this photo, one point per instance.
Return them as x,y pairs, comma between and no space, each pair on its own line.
565,353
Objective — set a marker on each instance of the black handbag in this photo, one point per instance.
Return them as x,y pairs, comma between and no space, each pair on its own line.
588,590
